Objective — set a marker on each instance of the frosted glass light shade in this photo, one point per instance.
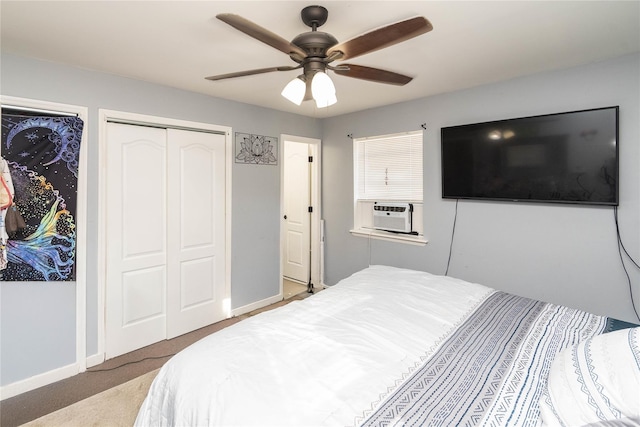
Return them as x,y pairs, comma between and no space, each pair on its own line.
294,91
323,90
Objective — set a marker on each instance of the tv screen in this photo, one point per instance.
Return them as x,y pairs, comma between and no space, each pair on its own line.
566,158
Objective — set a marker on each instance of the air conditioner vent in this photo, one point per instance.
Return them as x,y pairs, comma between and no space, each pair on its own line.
394,217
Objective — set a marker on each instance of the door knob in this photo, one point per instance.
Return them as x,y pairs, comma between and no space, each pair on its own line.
285,217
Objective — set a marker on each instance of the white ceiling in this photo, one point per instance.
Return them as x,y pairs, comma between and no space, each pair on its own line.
178,43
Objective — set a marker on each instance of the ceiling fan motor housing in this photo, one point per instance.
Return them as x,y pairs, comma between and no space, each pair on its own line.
315,43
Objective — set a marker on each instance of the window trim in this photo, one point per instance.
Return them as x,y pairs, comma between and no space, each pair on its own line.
372,233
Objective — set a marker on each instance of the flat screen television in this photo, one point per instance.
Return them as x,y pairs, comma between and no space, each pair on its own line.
567,157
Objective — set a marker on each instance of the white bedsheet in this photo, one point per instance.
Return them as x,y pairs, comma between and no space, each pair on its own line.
320,361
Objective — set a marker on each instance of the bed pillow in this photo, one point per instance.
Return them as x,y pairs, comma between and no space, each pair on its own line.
595,381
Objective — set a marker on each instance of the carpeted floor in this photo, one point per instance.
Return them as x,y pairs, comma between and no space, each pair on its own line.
115,407
32,405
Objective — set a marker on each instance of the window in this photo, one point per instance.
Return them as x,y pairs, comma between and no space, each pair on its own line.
387,168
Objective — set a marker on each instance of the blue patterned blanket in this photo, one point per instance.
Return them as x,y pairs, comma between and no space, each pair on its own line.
492,370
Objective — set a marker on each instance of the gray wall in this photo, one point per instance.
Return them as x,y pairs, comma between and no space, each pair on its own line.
563,254
38,319
559,253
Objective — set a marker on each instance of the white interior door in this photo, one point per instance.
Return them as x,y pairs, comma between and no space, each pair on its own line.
297,240
196,235
136,242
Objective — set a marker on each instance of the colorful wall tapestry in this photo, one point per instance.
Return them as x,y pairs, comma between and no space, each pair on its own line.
256,149
43,153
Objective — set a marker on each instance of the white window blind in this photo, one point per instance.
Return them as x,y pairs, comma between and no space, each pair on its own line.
389,167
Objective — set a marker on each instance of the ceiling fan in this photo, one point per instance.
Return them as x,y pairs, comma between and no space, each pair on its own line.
314,51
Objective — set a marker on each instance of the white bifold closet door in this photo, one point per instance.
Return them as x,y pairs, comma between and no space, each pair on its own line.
165,234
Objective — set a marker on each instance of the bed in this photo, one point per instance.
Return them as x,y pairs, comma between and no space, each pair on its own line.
390,346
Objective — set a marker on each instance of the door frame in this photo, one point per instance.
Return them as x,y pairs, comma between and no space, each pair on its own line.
316,266
150,121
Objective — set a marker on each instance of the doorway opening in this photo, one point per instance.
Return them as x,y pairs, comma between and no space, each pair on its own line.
301,226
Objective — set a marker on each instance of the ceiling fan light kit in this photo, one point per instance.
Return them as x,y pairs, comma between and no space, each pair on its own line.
314,50
323,90
295,90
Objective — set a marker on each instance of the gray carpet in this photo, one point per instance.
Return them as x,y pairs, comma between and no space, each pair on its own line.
116,407
35,404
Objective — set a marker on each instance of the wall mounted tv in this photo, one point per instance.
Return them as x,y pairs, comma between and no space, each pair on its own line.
567,157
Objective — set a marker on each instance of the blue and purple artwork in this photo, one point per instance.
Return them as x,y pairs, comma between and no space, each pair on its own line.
43,154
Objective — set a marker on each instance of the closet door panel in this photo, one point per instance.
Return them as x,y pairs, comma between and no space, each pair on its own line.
197,177
141,300
192,273
196,236
136,240
143,194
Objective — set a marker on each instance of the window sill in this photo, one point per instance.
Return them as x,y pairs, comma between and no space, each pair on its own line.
393,237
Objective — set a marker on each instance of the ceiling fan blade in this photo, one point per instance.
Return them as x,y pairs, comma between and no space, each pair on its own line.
372,74
382,37
251,72
259,33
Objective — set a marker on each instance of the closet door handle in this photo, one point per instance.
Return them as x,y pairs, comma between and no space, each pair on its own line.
285,217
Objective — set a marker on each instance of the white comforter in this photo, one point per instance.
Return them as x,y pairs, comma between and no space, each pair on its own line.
320,361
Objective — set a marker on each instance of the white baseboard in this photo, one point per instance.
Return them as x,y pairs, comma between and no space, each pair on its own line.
256,305
95,359
265,302
36,381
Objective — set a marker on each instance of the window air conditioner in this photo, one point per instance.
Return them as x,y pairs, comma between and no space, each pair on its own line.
394,217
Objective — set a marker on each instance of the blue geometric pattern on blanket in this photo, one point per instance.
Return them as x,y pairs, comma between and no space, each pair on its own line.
596,382
588,378
476,376
586,373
